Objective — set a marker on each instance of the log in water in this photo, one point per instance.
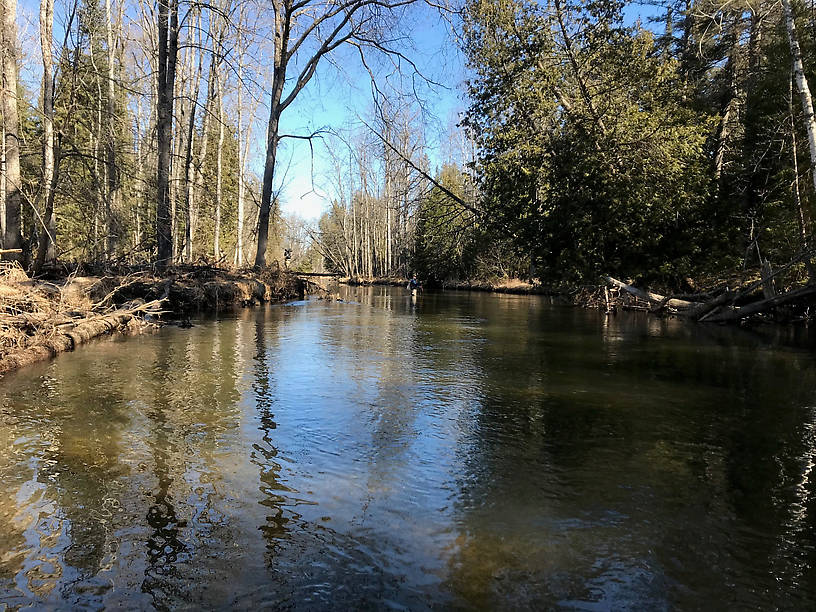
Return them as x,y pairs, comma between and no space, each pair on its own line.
453,450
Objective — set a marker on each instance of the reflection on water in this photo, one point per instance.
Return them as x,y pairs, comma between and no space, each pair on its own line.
457,450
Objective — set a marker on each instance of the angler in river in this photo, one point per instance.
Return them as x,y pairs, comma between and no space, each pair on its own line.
414,285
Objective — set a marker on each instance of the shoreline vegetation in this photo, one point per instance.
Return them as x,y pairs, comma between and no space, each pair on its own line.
753,296
41,318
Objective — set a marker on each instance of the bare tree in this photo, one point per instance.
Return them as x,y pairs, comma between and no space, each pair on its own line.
47,250
314,28
801,85
168,30
8,106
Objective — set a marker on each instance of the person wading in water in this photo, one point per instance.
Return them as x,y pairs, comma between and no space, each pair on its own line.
413,285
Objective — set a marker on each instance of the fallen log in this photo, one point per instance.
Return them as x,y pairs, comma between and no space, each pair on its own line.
83,331
763,305
653,298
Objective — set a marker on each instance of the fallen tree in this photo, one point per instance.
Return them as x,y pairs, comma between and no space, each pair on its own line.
726,305
39,319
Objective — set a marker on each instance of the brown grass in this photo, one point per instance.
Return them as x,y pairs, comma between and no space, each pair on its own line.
40,319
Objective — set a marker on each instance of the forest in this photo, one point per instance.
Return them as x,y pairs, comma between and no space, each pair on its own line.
668,141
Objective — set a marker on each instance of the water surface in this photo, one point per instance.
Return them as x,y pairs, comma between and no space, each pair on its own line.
457,451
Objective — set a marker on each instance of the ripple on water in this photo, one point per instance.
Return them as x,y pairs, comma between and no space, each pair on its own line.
460,451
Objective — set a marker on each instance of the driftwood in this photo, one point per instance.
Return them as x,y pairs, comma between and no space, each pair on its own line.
763,305
653,298
722,307
83,330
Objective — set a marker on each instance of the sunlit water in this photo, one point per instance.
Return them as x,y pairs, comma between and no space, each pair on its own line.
457,451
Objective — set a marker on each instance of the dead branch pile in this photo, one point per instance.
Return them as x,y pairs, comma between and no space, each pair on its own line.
40,319
761,300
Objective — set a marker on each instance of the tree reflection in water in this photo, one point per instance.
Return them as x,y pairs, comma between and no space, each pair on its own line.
164,546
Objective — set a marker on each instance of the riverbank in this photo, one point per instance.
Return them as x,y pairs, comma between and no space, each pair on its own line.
40,319
502,285
777,296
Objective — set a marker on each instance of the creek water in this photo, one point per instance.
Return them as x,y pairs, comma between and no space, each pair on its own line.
457,450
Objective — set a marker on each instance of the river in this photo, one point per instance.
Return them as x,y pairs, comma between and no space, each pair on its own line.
459,450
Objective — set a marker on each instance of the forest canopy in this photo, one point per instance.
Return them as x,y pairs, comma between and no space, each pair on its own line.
660,142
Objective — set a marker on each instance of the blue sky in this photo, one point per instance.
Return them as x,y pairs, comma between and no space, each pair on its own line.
334,100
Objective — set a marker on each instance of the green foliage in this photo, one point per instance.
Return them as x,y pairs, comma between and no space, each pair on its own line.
597,142
445,238
597,170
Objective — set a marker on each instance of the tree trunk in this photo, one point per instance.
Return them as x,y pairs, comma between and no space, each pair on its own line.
46,249
219,172
729,104
8,105
166,74
272,142
189,167
113,182
686,52
802,86
281,58
239,245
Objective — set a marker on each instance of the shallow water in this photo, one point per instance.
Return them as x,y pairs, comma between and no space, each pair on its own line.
459,451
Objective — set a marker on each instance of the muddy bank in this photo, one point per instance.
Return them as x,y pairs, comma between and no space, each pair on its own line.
40,319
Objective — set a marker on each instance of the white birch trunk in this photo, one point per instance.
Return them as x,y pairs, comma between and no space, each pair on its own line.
802,86
46,250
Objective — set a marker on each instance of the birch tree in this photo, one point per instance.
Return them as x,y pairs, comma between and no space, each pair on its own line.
8,107
801,85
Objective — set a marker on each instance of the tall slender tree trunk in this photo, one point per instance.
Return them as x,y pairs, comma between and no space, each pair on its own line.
8,106
686,52
218,171
801,217
100,169
239,244
269,176
166,75
802,86
280,61
729,103
190,178
46,249
205,135
797,197
113,181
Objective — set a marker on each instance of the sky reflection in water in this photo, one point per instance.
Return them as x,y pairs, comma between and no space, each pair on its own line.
460,450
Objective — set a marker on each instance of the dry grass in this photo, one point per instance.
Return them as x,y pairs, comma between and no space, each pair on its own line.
28,310
40,319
